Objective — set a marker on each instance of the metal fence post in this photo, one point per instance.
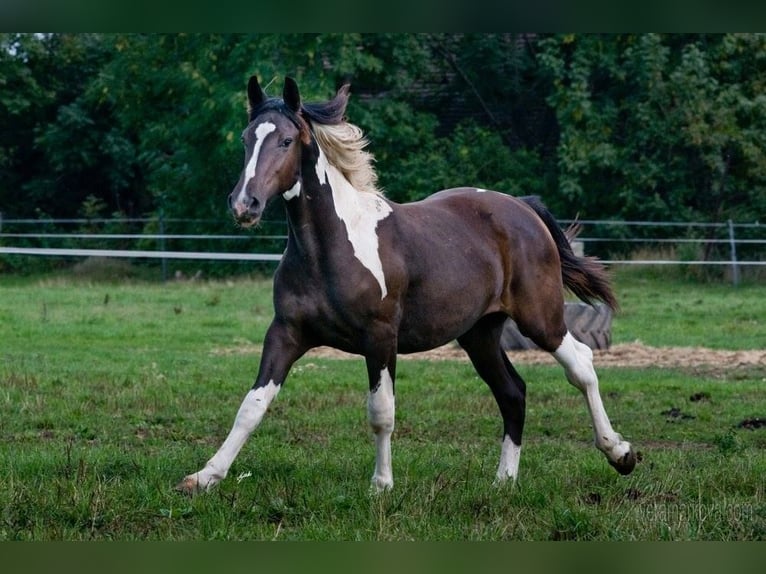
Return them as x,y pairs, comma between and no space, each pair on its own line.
733,248
162,246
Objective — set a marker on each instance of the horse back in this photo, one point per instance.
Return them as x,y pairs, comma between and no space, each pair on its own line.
472,223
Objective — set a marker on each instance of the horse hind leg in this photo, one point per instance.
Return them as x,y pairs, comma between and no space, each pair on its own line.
542,320
577,360
482,343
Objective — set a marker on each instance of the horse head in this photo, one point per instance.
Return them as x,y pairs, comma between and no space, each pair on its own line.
276,139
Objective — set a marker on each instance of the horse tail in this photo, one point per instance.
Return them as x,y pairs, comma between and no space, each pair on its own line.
586,277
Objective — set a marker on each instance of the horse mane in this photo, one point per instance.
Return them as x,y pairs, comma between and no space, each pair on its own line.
342,142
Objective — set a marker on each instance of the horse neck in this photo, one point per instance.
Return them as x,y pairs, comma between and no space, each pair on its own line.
329,209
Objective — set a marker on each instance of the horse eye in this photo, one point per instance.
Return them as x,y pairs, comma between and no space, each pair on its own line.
287,142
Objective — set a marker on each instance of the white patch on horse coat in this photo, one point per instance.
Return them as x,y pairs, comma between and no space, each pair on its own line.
509,460
261,132
480,190
360,213
248,417
577,360
381,412
294,191
322,167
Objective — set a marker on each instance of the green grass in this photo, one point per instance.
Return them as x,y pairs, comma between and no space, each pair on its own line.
111,392
665,310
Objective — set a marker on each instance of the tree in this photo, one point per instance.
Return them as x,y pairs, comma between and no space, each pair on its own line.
39,73
659,127
638,126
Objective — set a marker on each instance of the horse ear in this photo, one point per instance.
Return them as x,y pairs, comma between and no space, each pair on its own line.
340,101
291,95
255,94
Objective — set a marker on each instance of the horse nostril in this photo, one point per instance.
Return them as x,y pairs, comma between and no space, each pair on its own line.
244,207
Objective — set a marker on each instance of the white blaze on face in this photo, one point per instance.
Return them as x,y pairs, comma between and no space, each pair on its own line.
261,132
360,213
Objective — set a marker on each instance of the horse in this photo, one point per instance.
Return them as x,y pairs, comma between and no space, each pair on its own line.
376,278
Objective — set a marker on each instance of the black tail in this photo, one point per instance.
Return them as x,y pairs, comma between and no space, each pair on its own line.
586,277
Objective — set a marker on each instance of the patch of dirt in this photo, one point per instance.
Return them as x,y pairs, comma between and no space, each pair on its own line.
752,424
675,413
635,355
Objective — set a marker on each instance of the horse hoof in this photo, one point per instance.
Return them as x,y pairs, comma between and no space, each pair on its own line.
379,486
626,463
189,485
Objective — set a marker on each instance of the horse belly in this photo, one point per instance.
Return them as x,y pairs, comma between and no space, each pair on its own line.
435,315
419,340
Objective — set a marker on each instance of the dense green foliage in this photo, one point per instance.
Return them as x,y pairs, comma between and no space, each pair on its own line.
661,127
620,126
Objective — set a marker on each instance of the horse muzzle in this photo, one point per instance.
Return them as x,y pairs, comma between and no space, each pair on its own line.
247,211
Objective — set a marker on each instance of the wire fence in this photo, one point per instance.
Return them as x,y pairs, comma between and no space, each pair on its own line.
704,244
728,244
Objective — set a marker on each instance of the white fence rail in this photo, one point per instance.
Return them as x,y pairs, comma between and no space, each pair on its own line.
37,237
140,254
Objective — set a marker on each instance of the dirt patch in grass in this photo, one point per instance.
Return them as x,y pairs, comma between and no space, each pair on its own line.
640,355
635,355
753,423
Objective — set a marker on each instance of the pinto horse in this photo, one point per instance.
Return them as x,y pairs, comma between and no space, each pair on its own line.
372,277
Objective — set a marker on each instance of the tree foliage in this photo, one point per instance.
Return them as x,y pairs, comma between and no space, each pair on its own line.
634,126
657,127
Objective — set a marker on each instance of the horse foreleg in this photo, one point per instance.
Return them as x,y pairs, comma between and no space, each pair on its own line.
381,414
279,353
577,360
248,417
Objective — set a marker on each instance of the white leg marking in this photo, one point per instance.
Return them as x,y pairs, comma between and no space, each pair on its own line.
248,417
381,413
360,213
509,461
261,132
577,360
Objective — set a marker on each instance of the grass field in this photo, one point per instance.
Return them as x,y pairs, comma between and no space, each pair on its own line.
110,392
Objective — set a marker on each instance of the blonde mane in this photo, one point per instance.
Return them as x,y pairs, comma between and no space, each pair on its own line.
343,144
